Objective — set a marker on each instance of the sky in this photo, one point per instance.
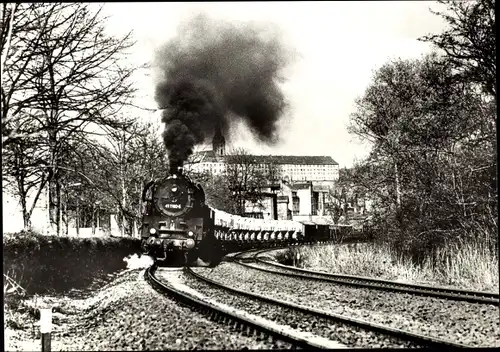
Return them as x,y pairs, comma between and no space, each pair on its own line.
339,46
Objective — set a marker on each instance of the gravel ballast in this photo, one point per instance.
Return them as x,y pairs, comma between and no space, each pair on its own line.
345,334
470,324
179,279
128,314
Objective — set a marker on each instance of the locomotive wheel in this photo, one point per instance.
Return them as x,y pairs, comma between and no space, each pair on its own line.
210,250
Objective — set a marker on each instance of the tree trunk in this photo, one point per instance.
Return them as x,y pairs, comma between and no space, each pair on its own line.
135,231
124,190
54,186
33,204
58,207
78,216
53,210
8,39
123,224
98,222
93,220
60,214
26,214
26,217
138,224
398,187
66,222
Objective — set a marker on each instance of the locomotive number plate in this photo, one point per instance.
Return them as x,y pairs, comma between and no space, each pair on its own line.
173,206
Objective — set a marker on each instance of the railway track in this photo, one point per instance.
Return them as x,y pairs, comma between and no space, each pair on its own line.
417,340
372,283
248,255
237,319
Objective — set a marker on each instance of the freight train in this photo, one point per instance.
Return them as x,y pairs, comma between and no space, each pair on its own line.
178,227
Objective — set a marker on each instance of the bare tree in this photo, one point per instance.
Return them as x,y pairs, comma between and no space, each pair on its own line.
245,177
134,157
8,15
63,78
336,203
470,41
435,128
470,47
23,164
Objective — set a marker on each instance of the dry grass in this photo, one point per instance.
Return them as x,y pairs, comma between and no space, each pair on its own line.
469,266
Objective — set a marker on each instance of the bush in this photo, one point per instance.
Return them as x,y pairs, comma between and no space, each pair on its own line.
42,264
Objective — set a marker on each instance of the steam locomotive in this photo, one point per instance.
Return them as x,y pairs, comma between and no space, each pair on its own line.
177,222
178,227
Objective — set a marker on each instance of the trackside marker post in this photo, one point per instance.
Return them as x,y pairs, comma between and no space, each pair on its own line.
45,327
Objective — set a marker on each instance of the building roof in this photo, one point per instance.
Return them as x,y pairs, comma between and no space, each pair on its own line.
205,156
295,159
316,220
209,156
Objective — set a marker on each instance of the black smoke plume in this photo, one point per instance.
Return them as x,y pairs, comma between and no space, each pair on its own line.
214,73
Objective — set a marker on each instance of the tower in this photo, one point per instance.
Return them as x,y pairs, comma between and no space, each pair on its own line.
219,143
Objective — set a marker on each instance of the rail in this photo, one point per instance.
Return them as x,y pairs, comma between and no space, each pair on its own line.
373,283
236,319
422,340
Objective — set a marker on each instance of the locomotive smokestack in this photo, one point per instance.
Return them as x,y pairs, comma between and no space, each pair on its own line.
175,169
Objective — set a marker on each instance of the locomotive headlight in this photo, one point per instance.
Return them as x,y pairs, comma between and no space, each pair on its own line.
190,233
189,243
152,230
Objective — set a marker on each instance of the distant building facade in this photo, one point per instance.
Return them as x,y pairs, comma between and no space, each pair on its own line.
305,181
292,168
12,215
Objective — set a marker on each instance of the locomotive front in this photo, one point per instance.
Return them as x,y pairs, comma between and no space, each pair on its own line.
176,219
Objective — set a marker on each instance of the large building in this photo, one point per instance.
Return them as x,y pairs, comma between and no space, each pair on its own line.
291,168
305,181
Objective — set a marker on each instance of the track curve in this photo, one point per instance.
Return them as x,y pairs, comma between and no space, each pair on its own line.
238,320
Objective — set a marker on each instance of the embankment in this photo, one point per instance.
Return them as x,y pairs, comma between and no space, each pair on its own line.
51,264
